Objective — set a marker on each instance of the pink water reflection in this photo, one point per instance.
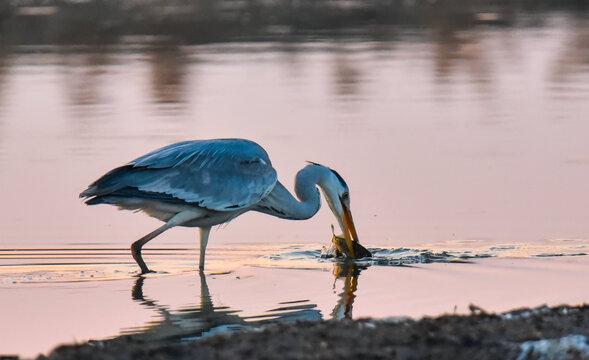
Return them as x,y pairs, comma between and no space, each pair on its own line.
428,157
187,304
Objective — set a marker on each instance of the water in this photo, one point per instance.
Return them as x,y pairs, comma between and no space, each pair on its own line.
482,137
466,156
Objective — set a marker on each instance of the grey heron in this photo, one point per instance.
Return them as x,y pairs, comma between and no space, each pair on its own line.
202,183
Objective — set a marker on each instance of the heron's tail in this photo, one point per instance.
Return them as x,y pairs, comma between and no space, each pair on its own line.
110,182
95,200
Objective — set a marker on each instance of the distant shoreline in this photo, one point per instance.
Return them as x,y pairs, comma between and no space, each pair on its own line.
195,22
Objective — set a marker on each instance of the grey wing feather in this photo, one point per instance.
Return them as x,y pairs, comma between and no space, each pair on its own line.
226,174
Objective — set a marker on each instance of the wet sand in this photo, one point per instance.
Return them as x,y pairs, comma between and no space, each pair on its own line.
546,333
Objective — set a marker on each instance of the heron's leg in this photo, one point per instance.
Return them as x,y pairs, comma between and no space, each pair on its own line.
178,219
204,239
137,245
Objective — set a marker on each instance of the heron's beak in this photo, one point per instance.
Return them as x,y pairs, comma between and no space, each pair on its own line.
350,233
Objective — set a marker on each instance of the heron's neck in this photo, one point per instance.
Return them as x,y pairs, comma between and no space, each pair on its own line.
282,204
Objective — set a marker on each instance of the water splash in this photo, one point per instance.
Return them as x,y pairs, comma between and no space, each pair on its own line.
308,257
313,258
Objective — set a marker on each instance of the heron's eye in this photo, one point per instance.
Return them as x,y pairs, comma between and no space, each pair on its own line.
345,196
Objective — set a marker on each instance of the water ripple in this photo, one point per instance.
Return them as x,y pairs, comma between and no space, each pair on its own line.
51,265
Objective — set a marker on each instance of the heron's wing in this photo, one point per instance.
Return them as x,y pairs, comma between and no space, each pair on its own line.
225,174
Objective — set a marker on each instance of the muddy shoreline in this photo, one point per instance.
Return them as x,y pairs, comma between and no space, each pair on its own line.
547,333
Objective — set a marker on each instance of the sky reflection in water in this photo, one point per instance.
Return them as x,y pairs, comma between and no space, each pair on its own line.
478,135
179,304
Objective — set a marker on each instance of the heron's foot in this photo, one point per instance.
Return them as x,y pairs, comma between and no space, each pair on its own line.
136,252
145,272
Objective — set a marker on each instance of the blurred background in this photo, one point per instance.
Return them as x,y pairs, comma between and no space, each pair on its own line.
453,121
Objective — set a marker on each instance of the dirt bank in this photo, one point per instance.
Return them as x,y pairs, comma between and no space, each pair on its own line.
513,335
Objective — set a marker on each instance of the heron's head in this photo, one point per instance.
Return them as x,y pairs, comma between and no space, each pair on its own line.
337,194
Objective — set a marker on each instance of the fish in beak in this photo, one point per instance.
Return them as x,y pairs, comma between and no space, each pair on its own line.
349,245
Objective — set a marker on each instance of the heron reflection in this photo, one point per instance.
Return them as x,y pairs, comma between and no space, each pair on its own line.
349,271
205,318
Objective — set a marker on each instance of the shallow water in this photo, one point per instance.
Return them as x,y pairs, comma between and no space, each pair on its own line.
67,295
466,155
39,266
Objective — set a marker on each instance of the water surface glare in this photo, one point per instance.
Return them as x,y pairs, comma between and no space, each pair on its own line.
53,265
